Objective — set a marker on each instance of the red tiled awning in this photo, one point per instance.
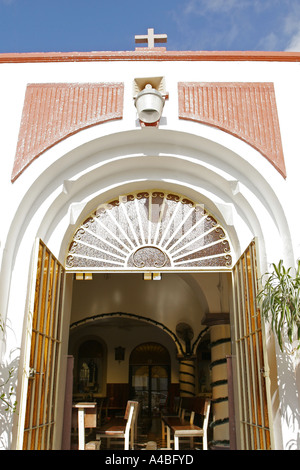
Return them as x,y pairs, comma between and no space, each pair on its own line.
245,110
55,111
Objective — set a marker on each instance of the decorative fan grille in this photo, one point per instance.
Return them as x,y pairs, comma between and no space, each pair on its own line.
146,352
152,229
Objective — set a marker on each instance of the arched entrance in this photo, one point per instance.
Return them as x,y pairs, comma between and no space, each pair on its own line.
153,235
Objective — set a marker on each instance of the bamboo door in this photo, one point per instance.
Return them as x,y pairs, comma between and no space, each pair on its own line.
252,368
44,349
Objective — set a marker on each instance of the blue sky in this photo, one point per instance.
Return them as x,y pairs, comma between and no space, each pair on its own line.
110,25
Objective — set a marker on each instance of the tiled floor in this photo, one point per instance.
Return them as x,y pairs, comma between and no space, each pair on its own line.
150,432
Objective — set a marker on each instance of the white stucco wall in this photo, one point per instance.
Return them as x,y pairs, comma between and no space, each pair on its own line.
68,181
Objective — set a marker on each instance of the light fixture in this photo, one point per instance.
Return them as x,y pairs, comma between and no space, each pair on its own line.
156,276
149,104
84,276
152,276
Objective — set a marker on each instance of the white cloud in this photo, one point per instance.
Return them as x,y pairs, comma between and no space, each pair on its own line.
294,44
259,6
246,24
202,7
269,42
291,28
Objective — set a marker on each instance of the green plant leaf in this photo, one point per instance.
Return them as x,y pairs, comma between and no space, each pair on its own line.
280,302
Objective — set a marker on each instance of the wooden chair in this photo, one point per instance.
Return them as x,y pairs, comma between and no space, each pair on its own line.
122,428
179,427
179,412
193,431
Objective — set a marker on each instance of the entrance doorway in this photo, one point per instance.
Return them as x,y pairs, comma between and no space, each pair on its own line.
149,264
149,377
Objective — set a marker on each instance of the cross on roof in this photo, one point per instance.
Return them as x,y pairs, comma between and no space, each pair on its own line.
151,38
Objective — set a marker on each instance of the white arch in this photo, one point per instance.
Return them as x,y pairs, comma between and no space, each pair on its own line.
61,188
71,179
81,179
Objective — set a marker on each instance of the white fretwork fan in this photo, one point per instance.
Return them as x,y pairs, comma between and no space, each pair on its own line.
153,230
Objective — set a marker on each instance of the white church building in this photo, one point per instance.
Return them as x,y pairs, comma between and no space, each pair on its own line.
144,193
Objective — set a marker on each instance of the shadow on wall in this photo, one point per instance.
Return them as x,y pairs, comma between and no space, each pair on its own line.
290,412
8,380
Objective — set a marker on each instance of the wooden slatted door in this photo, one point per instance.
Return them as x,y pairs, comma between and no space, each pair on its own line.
252,368
45,334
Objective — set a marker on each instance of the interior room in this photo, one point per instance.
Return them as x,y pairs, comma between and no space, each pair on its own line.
128,336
